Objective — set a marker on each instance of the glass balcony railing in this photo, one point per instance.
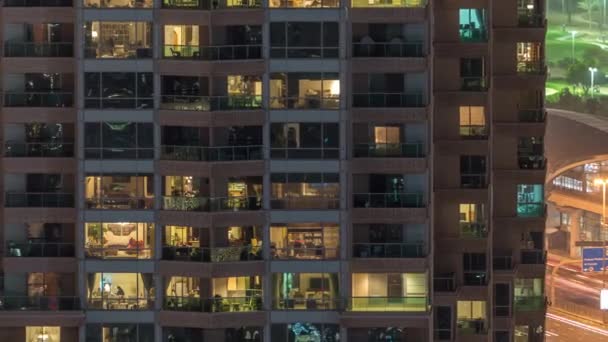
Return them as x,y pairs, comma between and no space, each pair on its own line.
38,99
214,4
471,326
126,303
476,230
531,67
388,304
531,115
387,4
389,250
118,153
473,181
212,305
37,3
399,50
444,283
389,150
473,132
529,303
213,53
305,253
305,202
119,202
321,303
186,253
388,100
473,35
39,303
216,153
40,150
305,52
475,278
39,200
527,18
388,200
182,203
305,153
473,83
331,102
532,161
34,249
115,252
530,209
211,103
38,49
533,256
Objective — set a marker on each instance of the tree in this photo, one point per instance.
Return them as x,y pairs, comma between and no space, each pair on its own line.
589,6
578,75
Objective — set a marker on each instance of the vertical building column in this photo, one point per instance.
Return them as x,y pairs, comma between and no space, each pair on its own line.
575,233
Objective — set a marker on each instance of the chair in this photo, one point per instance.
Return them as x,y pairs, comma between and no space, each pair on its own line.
175,54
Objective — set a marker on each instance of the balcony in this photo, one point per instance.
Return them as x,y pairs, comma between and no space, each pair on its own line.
473,83
305,253
531,161
389,250
208,254
470,34
38,3
237,203
388,200
388,49
215,153
37,49
213,305
392,4
444,282
312,303
473,181
473,230
135,250
533,256
119,202
38,99
34,249
529,303
295,201
39,149
107,303
211,103
388,304
530,19
38,200
388,100
471,326
390,150
531,115
475,278
39,303
207,5
213,53
531,67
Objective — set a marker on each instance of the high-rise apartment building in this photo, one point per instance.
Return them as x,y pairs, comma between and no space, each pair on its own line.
281,170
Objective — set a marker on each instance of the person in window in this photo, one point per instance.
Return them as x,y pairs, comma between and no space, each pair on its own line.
120,293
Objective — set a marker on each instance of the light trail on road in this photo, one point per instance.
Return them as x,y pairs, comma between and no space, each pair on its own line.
578,325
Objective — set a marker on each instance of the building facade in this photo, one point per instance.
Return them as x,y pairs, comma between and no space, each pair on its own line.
161,182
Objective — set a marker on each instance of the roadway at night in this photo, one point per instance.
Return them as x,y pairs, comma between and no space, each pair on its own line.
562,328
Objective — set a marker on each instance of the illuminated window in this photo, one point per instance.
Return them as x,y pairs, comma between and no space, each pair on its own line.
472,121
43,334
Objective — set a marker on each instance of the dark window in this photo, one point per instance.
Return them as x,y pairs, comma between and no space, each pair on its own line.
502,300
304,140
304,40
119,90
474,266
473,171
119,140
443,323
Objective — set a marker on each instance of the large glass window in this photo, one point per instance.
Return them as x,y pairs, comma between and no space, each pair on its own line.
389,89
389,240
306,241
118,90
473,171
237,243
119,191
304,90
472,220
530,153
118,140
304,3
114,332
115,39
473,27
304,40
305,191
118,3
181,41
530,200
388,3
305,140
237,294
472,74
305,291
120,291
528,294
389,292
471,316
305,331
473,122
185,193
529,57
42,334
124,240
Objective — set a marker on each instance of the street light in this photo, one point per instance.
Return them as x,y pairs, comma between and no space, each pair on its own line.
593,71
573,36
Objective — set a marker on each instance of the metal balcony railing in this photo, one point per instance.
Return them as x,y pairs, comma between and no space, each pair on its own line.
39,149
388,200
389,250
388,49
390,150
38,49
33,249
39,199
